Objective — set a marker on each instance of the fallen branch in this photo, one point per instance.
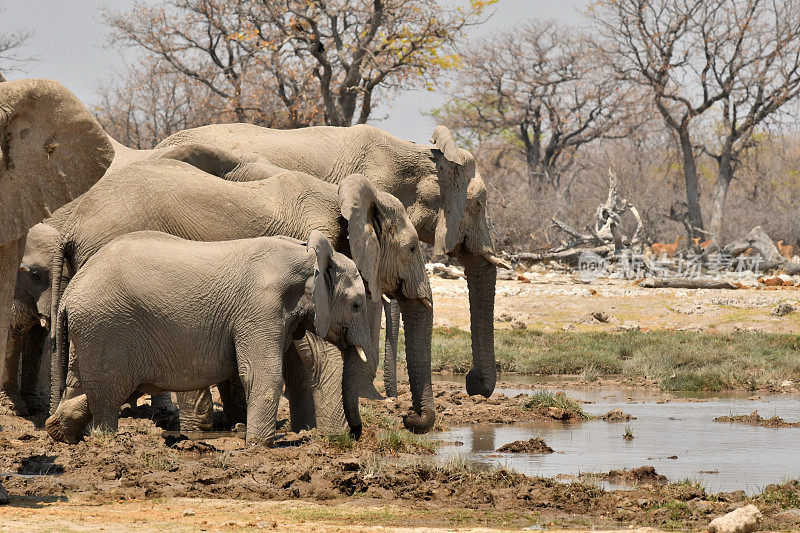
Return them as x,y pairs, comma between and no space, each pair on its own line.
564,255
686,283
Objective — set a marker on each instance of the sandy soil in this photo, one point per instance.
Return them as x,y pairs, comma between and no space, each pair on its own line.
554,301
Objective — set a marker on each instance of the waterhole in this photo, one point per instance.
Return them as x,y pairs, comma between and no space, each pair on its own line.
679,438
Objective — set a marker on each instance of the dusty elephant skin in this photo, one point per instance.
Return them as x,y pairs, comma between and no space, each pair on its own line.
51,151
438,185
211,310
174,197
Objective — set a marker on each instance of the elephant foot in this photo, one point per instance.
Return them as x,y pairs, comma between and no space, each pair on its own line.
67,424
478,385
11,403
419,423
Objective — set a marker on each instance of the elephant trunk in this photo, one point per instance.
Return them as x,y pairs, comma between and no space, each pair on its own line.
481,280
392,310
418,327
352,378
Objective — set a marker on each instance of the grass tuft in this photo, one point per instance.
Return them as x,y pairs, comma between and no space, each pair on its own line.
544,399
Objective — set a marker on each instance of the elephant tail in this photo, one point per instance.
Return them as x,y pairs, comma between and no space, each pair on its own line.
58,333
58,378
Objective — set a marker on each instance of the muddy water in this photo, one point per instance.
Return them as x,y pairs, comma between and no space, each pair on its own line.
724,457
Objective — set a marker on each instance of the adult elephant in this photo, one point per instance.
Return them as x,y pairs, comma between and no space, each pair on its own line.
439,187
180,199
51,151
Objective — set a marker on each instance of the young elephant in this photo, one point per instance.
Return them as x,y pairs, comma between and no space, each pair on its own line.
153,312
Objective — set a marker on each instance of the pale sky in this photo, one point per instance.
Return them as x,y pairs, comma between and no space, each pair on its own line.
71,41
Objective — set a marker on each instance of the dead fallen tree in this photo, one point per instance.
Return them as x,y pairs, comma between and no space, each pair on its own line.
603,238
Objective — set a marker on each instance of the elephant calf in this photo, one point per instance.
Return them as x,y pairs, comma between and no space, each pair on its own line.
153,312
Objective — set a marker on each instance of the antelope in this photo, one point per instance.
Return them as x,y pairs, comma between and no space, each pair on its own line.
669,249
786,250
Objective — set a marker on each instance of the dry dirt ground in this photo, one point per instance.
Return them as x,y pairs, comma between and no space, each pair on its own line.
143,479
553,301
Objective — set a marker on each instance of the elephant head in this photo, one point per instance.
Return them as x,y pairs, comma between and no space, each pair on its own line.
33,278
451,207
383,242
51,151
385,247
341,317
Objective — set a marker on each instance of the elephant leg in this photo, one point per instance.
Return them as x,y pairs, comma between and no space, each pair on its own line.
392,311
69,420
260,361
165,414
196,410
30,364
234,403
10,258
301,401
324,371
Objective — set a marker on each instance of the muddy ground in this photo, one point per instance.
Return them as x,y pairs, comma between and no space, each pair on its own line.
145,477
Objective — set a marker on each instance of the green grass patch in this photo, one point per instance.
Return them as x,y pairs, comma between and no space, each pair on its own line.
690,361
544,399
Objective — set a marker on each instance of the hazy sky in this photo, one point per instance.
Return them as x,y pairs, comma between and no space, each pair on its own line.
71,42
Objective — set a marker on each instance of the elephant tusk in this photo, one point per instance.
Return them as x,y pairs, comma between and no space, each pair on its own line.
361,353
385,298
427,302
24,268
496,261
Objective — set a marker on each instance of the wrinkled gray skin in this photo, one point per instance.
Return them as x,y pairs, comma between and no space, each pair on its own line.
51,150
445,198
438,185
213,310
28,339
172,196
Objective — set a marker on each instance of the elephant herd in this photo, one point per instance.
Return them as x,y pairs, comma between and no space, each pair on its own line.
253,259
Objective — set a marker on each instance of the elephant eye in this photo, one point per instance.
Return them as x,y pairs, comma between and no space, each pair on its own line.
413,248
356,307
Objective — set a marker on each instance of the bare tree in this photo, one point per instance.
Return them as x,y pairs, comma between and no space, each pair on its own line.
10,43
325,62
540,88
725,65
151,102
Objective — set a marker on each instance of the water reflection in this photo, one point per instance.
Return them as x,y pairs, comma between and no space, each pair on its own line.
745,457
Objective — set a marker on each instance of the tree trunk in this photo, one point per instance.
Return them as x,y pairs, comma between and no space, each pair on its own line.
724,178
690,179
481,281
418,324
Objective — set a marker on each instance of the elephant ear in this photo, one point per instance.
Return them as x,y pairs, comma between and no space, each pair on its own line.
51,151
322,293
443,141
358,202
